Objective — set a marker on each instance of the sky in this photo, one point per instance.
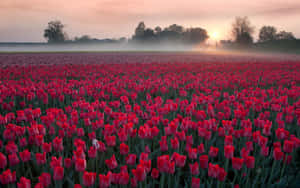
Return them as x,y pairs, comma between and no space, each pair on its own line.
24,21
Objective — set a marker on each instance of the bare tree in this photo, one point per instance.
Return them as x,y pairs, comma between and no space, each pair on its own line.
54,33
242,31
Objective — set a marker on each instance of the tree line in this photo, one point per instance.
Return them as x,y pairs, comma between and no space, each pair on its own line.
242,33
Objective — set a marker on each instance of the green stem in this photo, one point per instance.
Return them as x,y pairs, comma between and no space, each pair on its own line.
162,180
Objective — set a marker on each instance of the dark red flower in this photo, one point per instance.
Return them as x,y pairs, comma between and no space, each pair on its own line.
194,168
179,159
249,161
154,173
13,159
124,149
277,153
131,159
264,151
45,179
7,177
3,161
110,141
203,159
80,164
175,143
213,151
288,146
123,178
213,170
139,173
228,151
111,163
58,173
237,163
195,182
24,183
222,174
88,178
58,144
193,153
104,180
40,158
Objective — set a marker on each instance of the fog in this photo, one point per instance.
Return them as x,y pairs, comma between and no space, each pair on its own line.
95,47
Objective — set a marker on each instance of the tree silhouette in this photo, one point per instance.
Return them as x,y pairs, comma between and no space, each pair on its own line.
54,32
242,31
283,35
171,34
267,33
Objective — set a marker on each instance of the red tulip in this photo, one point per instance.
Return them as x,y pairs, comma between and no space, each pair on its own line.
174,143
88,178
104,180
213,170
123,178
193,153
40,158
110,141
288,146
154,173
194,168
80,165
58,173
222,174
195,182
237,163
7,177
131,159
92,152
179,159
201,148
264,151
124,149
249,161
228,151
213,151
24,183
111,163
3,161
45,179
47,147
13,159
58,144
277,153
139,173
203,159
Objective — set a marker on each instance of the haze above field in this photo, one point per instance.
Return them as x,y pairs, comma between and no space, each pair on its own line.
24,21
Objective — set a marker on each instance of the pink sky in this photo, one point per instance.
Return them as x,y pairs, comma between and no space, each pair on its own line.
24,20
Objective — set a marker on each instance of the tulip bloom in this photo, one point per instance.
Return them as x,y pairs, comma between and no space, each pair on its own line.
213,151
237,163
195,182
203,159
88,178
111,163
194,168
228,151
24,183
80,165
58,173
277,154
249,161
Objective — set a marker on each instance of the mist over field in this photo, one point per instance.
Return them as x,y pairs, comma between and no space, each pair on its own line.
94,47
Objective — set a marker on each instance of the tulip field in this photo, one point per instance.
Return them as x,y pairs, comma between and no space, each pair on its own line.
209,123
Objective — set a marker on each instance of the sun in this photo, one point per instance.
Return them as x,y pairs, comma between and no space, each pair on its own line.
214,35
